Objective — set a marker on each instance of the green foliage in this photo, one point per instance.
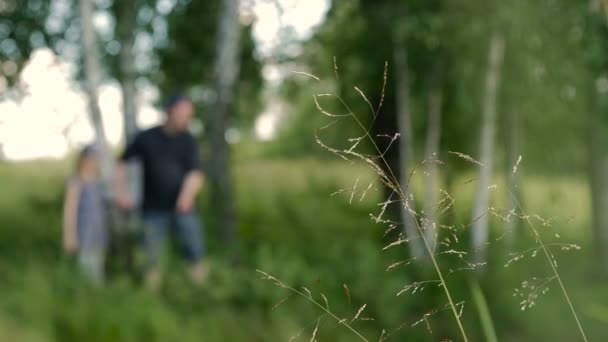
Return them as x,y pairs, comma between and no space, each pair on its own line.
358,56
291,226
187,57
547,77
295,230
44,293
22,29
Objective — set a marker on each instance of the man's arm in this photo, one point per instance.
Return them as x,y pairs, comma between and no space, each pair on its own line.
193,182
121,173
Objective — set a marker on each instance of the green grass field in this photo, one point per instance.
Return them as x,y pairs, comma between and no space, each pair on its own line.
293,228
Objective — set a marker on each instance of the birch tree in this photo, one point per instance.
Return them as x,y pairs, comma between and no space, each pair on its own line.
480,229
126,12
406,139
598,157
513,172
92,72
226,72
433,134
598,169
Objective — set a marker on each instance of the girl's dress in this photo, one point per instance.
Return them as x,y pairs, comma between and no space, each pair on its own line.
91,230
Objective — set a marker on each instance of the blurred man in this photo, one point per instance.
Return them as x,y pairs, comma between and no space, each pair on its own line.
172,178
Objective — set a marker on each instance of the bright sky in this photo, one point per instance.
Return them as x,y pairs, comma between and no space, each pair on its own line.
52,118
301,15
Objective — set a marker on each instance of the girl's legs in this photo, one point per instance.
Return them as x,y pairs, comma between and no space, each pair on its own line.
92,261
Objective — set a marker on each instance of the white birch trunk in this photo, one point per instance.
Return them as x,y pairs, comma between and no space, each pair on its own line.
404,121
126,15
226,73
431,153
92,74
513,172
480,229
598,166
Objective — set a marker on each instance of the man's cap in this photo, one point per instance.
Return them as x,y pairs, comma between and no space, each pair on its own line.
174,99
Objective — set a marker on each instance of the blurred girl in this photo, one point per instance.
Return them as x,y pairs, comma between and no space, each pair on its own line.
84,226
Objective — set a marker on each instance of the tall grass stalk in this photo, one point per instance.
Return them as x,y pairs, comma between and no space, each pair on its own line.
390,181
309,297
481,304
552,263
380,165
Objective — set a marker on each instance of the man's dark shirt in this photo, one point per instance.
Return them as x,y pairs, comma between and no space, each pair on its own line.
166,159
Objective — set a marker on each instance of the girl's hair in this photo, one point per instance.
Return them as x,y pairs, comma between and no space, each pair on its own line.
86,152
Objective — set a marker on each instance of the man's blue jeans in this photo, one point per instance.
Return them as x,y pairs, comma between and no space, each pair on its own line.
186,227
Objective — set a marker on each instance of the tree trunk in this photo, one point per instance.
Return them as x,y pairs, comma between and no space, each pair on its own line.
225,73
598,164
431,154
125,18
513,171
92,73
598,169
124,223
481,216
404,122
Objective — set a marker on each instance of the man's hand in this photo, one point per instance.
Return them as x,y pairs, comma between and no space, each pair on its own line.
185,204
124,201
